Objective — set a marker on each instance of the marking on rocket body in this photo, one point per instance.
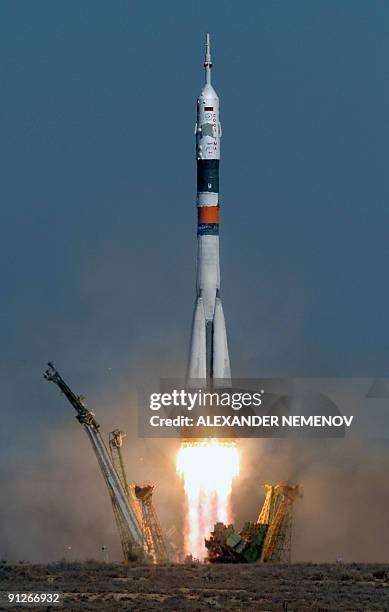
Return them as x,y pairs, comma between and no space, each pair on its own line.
207,129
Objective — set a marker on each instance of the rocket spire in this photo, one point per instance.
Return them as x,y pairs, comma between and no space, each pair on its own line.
208,60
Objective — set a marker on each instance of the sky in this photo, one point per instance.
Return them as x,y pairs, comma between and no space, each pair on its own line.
98,230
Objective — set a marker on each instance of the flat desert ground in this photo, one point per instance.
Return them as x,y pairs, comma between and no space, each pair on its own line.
108,586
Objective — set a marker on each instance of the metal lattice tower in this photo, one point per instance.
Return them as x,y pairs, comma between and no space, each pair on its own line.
265,515
115,443
277,512
129,528
140,499
151,526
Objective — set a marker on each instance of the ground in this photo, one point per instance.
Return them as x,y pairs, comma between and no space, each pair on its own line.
101,586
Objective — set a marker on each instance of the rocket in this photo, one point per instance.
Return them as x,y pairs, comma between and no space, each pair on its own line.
208,354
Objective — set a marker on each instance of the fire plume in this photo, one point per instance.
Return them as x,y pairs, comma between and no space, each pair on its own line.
208,468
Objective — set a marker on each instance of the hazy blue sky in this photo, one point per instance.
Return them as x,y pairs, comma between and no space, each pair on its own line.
98,187
98,193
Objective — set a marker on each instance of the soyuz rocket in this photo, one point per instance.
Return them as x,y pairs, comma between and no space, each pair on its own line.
208,354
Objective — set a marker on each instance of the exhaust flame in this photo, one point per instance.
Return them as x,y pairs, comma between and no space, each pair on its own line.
208,468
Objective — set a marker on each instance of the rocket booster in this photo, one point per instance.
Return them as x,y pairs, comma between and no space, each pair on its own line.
208,354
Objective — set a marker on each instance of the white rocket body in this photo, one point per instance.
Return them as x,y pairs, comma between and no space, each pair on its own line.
209,362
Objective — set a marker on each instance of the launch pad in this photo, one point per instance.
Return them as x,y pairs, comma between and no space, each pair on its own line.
141,535
267,540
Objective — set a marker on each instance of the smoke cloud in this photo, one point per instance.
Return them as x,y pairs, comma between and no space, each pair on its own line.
342,513
57,499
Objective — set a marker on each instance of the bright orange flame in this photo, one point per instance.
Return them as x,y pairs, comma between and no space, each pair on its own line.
208,469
